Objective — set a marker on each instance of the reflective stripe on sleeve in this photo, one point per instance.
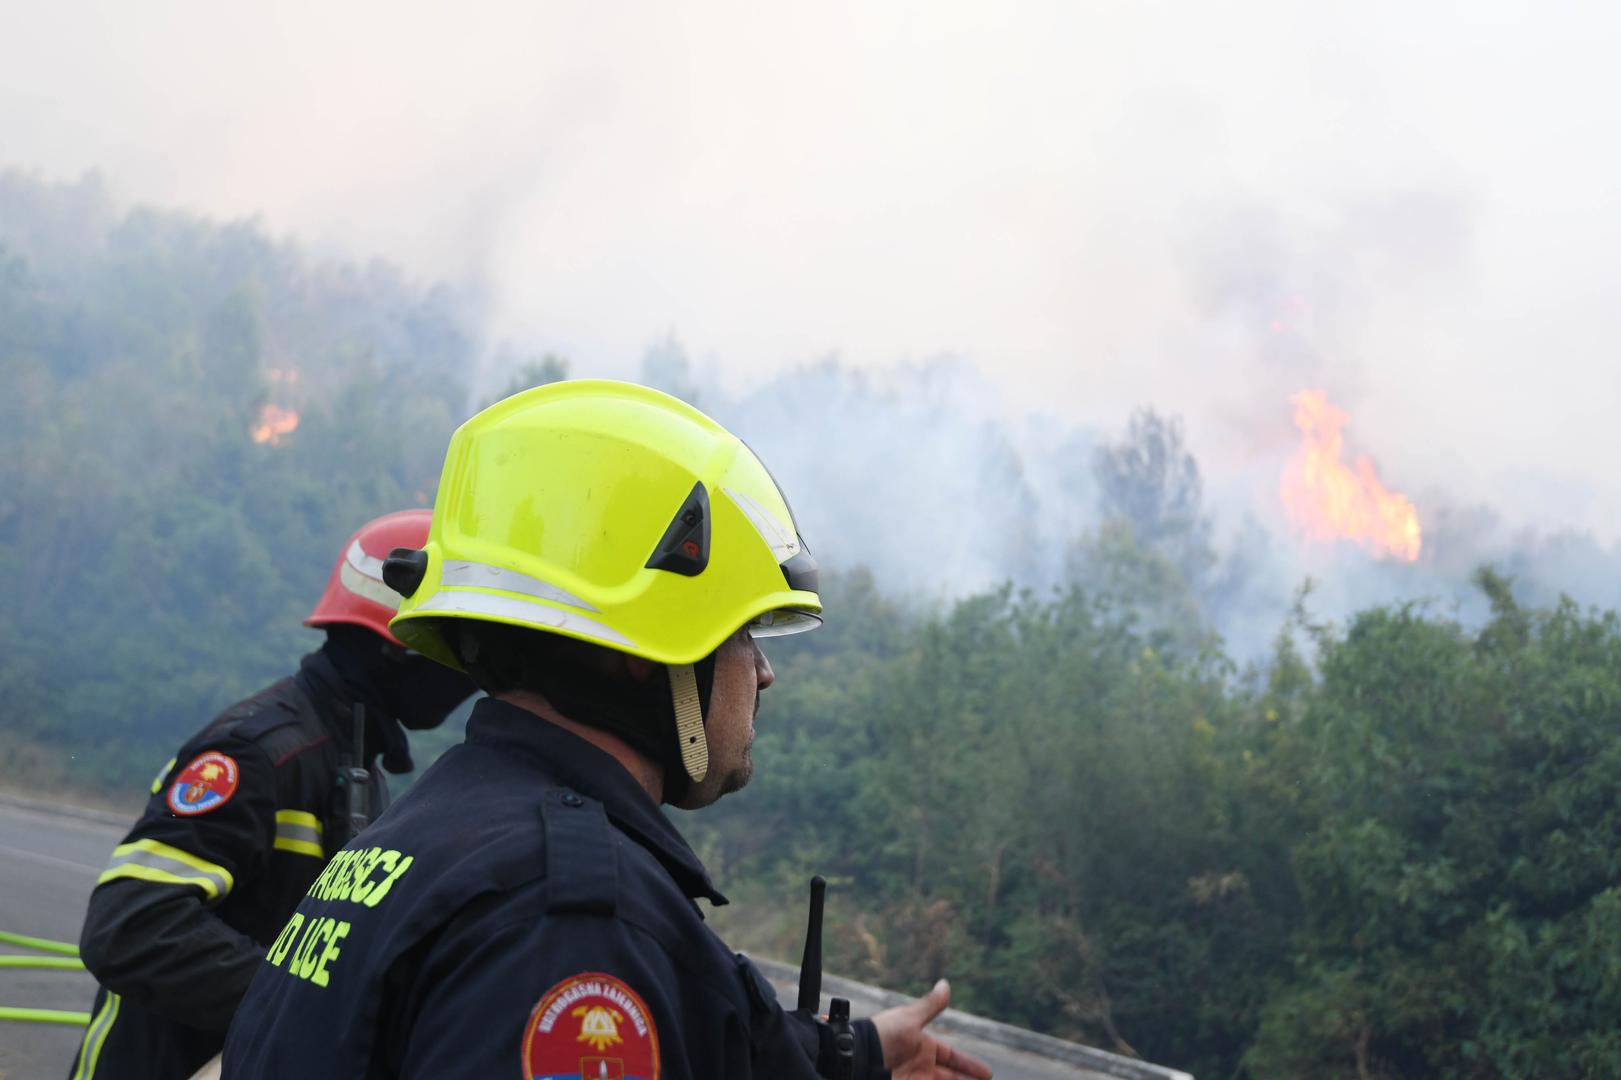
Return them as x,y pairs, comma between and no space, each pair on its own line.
299,831
163,774
153,860
95,1036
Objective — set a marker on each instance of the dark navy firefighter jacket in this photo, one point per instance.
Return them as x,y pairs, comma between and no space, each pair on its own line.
524,910
178,922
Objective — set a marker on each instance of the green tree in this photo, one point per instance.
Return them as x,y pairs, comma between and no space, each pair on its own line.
1458,884
530,373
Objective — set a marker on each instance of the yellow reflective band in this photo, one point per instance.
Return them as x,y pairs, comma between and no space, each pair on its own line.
163,774
153,860
299,831
161,877
95,1036
299,847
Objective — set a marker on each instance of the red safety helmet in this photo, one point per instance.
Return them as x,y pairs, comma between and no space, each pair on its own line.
355,593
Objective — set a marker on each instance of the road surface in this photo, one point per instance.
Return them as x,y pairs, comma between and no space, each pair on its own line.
49,861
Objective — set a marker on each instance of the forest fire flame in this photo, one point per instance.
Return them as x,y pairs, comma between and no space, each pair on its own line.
274,422
1330,500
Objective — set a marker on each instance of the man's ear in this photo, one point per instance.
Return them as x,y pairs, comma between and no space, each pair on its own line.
639,669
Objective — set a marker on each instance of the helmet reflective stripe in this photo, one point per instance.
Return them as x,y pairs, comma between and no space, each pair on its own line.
369,565
511,609
362,575
784,544
355,593
472,575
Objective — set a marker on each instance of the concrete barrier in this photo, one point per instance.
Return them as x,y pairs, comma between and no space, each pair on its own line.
866,1000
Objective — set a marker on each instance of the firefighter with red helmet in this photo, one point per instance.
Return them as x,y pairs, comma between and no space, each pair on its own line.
245,817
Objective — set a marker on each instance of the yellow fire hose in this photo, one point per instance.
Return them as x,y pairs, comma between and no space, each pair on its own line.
44,1016
64,963
23,941
66,960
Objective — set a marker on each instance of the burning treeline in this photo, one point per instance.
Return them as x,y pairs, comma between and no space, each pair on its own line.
275,421
1327,499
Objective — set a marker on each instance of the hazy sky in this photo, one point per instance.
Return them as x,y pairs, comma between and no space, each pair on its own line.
1201,206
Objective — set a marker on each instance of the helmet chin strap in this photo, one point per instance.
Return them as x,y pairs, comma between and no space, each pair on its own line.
689,721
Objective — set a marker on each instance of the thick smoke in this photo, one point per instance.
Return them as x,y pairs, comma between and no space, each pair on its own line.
921,477
926,476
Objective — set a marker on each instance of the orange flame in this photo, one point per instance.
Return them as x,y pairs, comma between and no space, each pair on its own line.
1328,500
274,422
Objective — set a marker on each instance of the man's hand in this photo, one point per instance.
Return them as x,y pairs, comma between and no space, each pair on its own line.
912,1053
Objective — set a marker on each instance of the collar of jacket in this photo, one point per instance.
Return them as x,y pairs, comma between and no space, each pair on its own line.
568,759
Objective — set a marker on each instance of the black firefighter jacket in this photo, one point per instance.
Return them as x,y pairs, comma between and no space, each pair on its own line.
524,910
238,826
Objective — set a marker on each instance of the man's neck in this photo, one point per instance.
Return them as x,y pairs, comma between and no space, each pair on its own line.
643,769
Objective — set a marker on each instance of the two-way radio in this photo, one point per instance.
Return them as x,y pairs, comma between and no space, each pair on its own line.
355,779
810,988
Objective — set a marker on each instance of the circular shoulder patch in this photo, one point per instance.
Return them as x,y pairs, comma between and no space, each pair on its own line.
206,784
590,1026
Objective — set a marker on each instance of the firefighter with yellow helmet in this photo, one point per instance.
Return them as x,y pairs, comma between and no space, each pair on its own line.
602,561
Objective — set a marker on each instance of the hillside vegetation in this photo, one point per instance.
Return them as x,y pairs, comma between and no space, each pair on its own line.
1392,849
160,559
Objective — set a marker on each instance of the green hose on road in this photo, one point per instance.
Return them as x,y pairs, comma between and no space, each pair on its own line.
23,941
60,963
67,960
45,1016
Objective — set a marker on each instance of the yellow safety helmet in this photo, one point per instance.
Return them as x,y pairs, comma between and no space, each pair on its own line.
611,513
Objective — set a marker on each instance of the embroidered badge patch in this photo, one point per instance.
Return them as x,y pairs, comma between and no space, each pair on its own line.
590,1026
205,784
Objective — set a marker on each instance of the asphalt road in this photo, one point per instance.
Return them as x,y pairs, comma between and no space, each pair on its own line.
50,861
48,864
